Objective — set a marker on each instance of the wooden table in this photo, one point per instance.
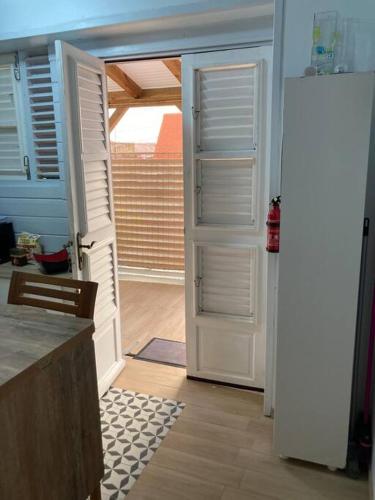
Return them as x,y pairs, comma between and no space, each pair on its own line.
50,438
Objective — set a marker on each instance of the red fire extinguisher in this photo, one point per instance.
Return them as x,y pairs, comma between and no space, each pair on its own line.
273,226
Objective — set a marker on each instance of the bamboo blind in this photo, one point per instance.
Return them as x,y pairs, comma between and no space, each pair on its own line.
149,210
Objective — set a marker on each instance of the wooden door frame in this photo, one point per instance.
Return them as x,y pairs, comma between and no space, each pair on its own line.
274,180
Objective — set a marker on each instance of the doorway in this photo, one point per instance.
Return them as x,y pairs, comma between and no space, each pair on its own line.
145,123
226,115
226,192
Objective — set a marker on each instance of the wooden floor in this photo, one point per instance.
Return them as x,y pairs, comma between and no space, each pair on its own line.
221,447
150,310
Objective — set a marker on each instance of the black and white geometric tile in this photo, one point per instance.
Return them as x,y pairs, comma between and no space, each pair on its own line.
133,426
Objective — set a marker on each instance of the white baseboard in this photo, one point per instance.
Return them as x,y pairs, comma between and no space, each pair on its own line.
151,275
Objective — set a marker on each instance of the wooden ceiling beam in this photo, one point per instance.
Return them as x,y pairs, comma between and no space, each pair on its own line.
129,86
149,97
116,117
174,66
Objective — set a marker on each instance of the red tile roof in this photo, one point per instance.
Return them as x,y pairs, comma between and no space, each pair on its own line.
170,134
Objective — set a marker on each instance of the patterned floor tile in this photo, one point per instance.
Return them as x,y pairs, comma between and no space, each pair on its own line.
133,426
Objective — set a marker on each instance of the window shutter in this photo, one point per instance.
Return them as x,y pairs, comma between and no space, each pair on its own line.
227,100
102,270
10,148
226,191
227,281
43,117
226,176
94,151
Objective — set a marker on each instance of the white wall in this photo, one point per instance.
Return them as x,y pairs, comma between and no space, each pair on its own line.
136,29
39,208
71,15
298,21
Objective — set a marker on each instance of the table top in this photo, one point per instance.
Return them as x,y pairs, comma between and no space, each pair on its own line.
7,269
31,337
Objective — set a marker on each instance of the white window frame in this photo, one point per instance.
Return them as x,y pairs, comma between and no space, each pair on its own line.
10,60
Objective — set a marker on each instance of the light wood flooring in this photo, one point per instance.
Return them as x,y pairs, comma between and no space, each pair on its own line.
150,310
220,447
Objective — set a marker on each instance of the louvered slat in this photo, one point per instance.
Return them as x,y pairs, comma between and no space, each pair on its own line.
227,280
92,118
10,151
227,192
93,136
102,271
100,216
227,108
149,209
43,119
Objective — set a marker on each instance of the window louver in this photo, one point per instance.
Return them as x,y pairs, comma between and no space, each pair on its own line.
227,99
43,119
227,280
94,149
226,146
10,151
227,192
102,271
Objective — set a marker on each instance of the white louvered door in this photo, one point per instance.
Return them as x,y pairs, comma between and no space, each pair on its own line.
87,151
226,196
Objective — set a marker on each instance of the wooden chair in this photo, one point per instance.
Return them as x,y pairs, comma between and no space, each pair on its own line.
47,292
50,292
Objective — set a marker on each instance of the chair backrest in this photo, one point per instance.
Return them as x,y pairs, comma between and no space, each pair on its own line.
50,292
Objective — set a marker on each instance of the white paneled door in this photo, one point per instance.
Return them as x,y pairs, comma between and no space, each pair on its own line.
86,148
226,169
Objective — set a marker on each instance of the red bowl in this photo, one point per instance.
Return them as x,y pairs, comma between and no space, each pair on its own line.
53,263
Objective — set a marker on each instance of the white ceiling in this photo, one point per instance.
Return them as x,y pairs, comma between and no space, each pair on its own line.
150,74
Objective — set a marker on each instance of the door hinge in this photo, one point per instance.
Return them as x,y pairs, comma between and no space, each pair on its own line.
195,112
197,281
16,68
198,189
26,164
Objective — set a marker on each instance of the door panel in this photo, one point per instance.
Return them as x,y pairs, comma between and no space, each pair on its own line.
226,174
223,354
87,152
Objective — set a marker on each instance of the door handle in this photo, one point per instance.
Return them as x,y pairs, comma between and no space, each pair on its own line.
88,246
79,250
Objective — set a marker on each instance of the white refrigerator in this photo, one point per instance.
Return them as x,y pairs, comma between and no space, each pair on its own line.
327,254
